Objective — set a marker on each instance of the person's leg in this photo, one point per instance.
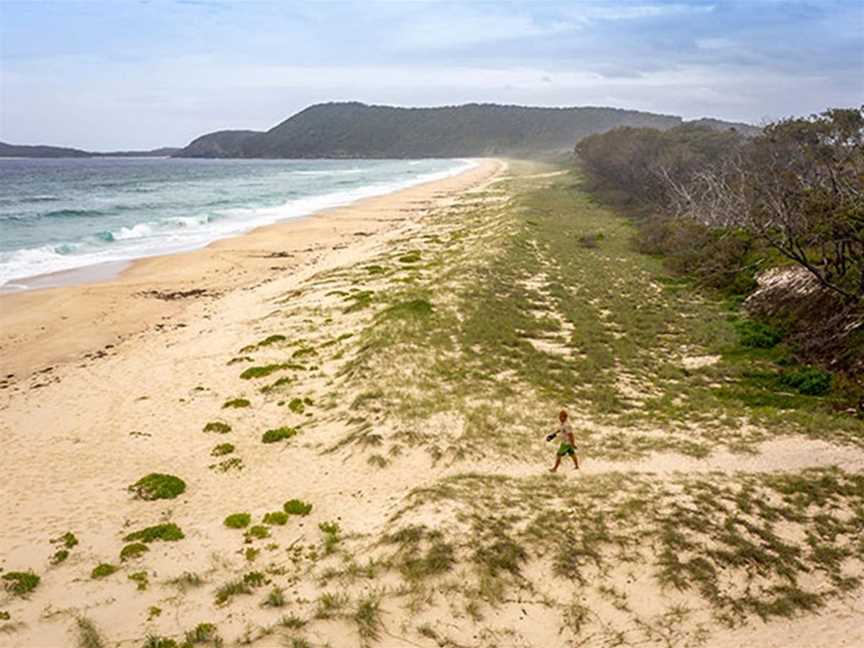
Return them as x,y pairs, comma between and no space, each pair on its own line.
557,463
575,461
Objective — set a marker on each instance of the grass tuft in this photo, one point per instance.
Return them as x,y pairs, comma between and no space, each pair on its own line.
236,403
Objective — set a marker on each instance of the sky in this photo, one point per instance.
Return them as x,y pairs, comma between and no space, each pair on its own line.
124,74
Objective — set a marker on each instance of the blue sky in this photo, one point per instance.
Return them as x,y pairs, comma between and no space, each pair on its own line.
123,74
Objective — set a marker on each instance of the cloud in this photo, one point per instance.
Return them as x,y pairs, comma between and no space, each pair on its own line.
453,29
611,12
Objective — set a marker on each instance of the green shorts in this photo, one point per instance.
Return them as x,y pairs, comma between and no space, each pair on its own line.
566,449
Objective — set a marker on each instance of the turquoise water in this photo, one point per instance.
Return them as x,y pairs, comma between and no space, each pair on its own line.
63,214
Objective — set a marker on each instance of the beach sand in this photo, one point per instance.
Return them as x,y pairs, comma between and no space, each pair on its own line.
112,381
40,328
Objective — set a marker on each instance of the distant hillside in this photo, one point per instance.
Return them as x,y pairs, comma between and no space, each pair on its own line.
355,130
20,150
16,150
221,144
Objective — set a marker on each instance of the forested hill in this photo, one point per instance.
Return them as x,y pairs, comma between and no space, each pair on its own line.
356,130
40,151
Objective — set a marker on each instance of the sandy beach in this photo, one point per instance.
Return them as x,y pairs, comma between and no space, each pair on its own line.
356,404
40,328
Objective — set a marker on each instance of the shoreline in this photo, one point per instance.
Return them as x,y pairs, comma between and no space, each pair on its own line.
47,325
108,270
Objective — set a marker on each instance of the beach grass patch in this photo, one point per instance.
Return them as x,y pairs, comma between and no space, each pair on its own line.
102,570
297,507
375,269
236,403
367,616
358,301
133,550
155,641
278,434
412,309
276,518
234,463
238,359
297,405
271,339
237,520
257,532
332,535
222,449
165,532
20,583
88,635
410,257
186,581
284,380
59,556
264,371
330,604
142,582
201,634
156,486
231,589
275,598
218,427
68,540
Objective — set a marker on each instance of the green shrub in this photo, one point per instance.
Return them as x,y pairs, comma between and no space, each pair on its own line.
217,426
758,335
167,532
236,403
237,520
276,518
102,570
222,449
158,486
297,507
375,269
20,583
278,434
296,405
810,381
134,550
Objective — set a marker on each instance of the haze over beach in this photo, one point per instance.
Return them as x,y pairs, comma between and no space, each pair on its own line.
432,324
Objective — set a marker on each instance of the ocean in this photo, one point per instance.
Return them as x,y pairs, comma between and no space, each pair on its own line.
62,214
